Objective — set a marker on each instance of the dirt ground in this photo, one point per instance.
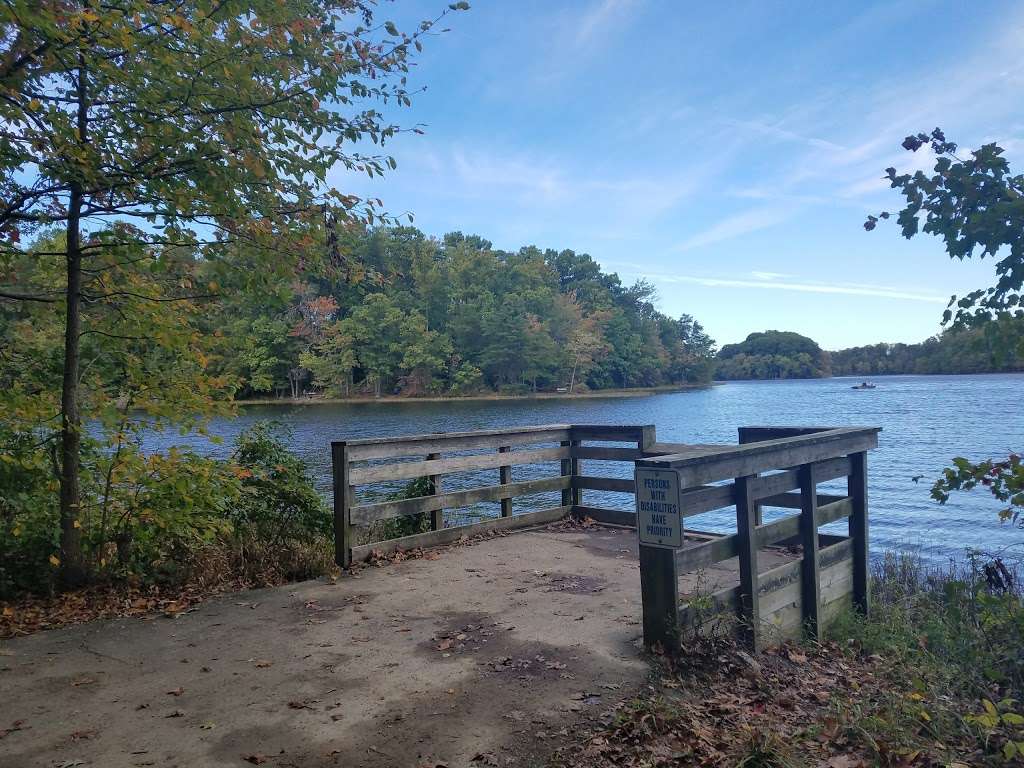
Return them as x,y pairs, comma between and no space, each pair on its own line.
486,654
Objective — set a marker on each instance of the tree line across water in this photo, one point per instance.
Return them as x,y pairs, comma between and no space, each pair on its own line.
453,316
986,347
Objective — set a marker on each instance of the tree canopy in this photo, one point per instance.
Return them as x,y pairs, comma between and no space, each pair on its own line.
455,315
975,206
773,355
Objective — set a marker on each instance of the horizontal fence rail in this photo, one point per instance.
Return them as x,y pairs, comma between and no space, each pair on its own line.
455,462
778,467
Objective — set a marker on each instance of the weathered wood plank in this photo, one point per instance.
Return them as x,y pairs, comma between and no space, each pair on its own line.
616,433
601,453
705,498
836,581
405,470
753,458
702,555
793,500
456,532
789,480
606,516
746,547
857,487
834,553
779,587
659,591
365,514
810,592
759,434
415,445
698,556
593,483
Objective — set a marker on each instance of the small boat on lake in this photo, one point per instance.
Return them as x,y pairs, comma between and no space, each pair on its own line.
863,385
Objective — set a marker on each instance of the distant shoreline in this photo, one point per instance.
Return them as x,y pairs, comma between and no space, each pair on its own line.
869,376
589,395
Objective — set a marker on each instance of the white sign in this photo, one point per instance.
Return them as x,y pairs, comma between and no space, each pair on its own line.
658,520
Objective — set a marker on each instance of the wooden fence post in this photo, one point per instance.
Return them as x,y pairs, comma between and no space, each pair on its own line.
505,477
810,592
342,503
747,435
746,547
857,490
575,470
659,593
566,471
436,515
648,437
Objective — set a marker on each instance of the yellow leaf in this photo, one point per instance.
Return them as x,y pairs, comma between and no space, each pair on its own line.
34,105
77,524
989,706
8,611
54,561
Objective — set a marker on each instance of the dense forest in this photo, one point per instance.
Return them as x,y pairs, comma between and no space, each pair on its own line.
427,316
455,316
773,355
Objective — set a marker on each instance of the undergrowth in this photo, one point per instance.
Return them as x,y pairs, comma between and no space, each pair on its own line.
933,677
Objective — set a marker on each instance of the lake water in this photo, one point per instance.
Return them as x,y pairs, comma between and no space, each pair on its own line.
926,421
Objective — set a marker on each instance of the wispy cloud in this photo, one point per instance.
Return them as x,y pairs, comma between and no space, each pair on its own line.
597,18
777,131
776,281
846,168
739,224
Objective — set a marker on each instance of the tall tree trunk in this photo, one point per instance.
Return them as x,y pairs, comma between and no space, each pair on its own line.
72,560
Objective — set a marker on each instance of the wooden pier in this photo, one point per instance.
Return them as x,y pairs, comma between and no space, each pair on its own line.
770,467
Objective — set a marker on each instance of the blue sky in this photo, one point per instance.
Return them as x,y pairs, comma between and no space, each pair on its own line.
727,152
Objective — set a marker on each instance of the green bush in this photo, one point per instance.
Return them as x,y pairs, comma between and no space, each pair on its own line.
952,641
407,525
278,502
158,518
29,529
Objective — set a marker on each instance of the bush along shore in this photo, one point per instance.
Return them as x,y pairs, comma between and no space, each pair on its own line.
160,531
932,678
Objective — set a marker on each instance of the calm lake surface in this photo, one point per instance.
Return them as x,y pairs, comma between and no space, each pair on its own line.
926,421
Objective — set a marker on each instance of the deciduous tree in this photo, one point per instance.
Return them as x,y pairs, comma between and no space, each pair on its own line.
197,123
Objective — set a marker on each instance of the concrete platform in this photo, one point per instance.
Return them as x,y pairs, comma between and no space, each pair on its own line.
494,649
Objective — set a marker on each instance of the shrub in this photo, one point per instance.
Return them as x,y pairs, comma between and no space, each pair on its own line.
278,502
164,518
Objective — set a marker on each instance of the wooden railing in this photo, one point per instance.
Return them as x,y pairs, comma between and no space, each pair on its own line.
803,594
364,463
